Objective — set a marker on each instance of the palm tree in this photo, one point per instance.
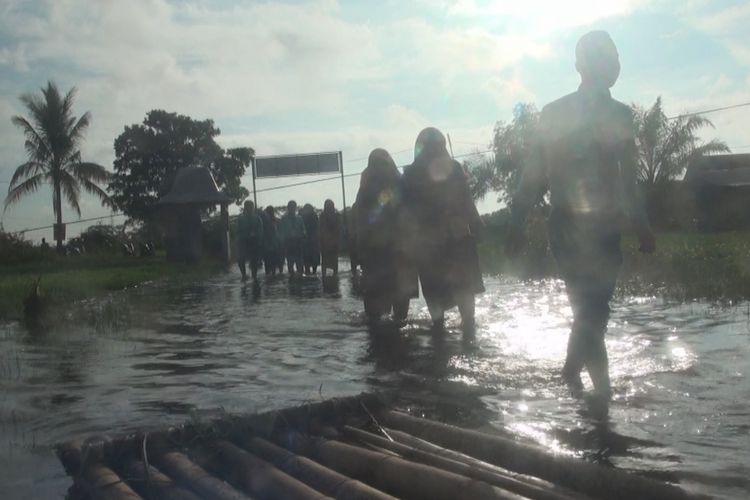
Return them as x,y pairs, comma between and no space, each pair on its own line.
53,136
667,146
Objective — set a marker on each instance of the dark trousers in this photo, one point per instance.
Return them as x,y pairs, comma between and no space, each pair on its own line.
293,248
589,258
250,256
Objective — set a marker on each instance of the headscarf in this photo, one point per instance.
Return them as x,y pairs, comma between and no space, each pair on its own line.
380,175
431,158
328,207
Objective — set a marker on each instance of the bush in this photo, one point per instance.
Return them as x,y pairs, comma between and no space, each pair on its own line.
15,250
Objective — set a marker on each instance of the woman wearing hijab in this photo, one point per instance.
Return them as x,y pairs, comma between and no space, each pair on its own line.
311,249
378,238
442,229
272,250
330,232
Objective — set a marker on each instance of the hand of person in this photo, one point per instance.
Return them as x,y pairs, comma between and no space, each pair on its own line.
646,241
514,242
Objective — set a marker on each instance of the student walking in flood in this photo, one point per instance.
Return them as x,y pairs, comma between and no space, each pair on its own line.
292,234
442,227
379,242
273,256
249,240
330,234
587,159
311,245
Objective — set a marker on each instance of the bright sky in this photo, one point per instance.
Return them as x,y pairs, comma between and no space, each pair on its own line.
291,77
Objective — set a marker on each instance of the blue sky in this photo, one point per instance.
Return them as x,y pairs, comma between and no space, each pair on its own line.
288,77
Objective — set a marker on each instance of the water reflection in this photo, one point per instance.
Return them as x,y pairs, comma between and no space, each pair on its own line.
679,372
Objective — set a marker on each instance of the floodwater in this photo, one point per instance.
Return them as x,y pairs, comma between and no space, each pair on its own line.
158,355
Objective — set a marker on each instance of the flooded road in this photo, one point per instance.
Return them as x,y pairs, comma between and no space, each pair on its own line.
159,354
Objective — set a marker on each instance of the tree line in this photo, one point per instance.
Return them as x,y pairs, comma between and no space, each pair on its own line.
148,155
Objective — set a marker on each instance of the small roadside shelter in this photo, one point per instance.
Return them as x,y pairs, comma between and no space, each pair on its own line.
193,190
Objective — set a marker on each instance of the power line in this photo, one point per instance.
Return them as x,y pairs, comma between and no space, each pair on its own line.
713,110
69,223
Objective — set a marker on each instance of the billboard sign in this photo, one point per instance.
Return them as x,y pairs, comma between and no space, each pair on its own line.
301,164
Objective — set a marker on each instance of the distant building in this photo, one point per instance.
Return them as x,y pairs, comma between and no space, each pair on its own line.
720,188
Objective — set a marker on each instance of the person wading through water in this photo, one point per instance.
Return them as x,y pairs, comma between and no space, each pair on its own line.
292,234
442,226
586,157
249,240
330,235
379,243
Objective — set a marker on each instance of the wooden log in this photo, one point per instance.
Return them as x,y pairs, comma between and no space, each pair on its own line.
97,480
472,462
572,473
312,473
509,482
150,482
255,476
183,470
392,474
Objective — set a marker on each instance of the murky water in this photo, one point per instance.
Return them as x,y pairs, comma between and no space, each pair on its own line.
157,355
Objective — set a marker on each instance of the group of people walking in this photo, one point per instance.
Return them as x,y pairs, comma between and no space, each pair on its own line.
304,240
423,227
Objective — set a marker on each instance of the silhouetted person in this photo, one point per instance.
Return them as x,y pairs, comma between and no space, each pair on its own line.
379,242
587,159
442,229
330,234
292,233
44,247
311,246
249,240
273,258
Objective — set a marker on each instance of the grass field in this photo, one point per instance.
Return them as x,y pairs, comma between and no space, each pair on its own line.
685,266
72,278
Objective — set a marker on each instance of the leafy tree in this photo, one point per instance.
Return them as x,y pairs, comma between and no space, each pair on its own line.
511,146
149,155
53,137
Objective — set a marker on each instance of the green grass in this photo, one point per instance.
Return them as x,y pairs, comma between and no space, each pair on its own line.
65,280
685,265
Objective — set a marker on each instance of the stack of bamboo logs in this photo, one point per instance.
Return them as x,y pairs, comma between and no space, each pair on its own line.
352,448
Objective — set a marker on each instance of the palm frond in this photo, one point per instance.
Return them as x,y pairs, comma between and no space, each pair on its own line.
36,143
71,190
95,190
28,186
89,171
79,127
25,170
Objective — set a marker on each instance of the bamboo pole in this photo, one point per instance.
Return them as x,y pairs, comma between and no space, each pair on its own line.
179,467
472,462
572,473
255,476
510,483
152,483
98,481
312,473
392,474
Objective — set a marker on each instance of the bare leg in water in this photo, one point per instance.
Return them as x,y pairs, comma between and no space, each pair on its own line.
467,308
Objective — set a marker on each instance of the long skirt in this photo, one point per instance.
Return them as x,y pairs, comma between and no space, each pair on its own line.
448,271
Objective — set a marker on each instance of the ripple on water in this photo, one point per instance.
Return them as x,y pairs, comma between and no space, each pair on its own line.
679,372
